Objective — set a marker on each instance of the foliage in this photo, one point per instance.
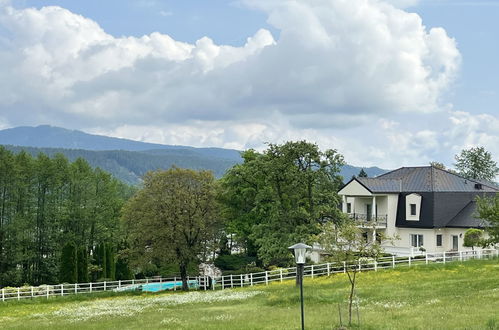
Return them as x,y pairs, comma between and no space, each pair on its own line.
233,261
171,217
82,265
69,264
473,237
46,203
343,241
476,163
362,173
488,210
277,198
438,165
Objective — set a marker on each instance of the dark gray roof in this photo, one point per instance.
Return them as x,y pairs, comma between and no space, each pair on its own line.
466,218
423,179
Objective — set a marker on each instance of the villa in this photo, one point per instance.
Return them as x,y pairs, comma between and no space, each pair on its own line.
427,208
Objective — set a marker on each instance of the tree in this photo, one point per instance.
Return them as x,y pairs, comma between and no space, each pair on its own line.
362,173
276,198
472,238
342,239
69,264
488,210
476,163
438,165
171,217
82,265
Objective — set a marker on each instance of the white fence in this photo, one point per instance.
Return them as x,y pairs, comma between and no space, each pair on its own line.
234,281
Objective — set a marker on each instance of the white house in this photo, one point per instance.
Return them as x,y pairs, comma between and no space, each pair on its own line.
423,206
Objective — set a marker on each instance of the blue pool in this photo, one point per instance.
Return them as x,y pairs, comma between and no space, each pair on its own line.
155,287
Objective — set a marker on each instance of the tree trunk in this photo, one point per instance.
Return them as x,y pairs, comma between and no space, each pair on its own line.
183,276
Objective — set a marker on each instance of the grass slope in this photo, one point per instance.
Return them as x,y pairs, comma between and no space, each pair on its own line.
452,296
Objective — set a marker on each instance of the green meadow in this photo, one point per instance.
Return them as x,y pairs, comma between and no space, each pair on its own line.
452,296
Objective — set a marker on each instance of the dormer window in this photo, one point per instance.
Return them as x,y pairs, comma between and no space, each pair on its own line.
412,207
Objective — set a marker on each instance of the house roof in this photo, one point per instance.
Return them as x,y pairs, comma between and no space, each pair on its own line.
466,218
423,179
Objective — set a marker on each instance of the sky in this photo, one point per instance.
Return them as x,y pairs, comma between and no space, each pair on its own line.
386,83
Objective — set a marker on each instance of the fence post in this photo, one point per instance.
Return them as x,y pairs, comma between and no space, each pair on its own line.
251,279
266,278
133,281
3,294
105,287
175,283
231,281
76,288
359,266
223,285
344,267
460,255
241,279
213,283
312,269
280,274
32,293
444,257
409,261
18,293
375,265
426,258
90,286
393,261
48,291
62,289
328,269
147,280
119,283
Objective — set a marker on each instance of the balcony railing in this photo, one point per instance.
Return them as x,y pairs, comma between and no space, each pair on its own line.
368,220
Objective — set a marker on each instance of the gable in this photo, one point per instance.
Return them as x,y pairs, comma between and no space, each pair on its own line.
354,188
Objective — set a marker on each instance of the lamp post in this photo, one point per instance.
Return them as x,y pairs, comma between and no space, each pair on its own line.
300,249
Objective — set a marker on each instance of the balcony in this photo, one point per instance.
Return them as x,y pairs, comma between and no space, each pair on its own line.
368,220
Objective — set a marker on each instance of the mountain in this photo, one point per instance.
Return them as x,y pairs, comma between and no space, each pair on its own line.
46,136
129,160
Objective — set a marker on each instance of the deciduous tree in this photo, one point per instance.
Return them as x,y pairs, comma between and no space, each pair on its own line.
171,217
476,163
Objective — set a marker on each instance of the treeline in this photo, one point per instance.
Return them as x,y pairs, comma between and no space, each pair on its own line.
55,216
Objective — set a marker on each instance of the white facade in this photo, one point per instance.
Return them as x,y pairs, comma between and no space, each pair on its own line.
362,205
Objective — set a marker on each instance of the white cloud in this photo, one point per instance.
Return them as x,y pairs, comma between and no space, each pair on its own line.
336,64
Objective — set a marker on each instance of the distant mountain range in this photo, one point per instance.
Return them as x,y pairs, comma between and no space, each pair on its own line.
128,160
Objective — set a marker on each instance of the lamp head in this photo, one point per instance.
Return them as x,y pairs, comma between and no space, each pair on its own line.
300,249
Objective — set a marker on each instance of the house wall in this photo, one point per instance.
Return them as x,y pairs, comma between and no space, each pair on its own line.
430,238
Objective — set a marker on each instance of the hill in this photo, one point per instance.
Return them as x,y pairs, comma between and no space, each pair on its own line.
128,160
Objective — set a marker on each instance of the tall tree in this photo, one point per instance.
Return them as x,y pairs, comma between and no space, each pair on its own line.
437,165
171,217
476,163
276,198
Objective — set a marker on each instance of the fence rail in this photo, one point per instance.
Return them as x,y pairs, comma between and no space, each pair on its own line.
241,280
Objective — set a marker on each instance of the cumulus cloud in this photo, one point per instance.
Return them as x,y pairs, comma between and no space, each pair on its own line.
335,64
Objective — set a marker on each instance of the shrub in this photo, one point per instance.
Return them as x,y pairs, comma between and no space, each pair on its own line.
233,261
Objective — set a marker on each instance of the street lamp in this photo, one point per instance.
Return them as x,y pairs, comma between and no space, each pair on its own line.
300,249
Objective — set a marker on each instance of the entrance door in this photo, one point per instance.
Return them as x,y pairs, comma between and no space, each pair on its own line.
455,242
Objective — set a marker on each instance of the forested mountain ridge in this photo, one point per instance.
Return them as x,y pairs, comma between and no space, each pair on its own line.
129,160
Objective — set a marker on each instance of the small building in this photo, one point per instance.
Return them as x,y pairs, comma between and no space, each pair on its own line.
427,208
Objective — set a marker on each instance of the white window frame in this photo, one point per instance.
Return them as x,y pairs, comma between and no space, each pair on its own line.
417,239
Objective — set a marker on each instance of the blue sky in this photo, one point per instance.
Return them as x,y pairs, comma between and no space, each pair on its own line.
441,94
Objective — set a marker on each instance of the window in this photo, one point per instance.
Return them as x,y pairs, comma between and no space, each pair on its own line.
416,240
439,240
365,237
413,209
349,207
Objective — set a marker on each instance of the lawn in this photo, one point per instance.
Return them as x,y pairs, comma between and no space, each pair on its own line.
452,296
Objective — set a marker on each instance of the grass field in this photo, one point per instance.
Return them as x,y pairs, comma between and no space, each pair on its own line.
452,296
